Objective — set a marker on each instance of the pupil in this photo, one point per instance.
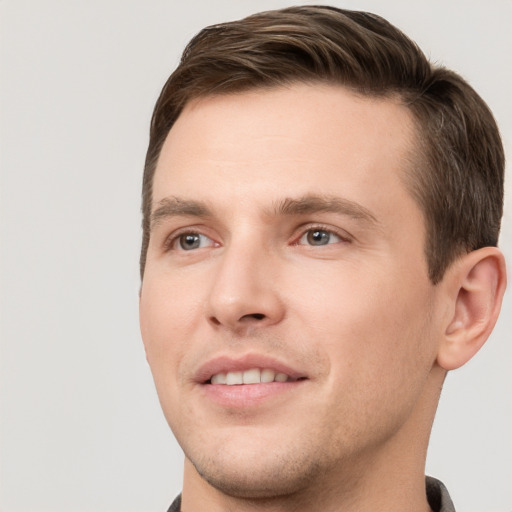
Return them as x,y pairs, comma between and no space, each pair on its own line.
318,237
190,241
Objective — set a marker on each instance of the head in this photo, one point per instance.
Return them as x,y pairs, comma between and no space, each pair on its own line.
321,202
458,173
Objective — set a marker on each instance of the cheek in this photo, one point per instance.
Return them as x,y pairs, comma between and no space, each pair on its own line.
161,319
169,303
159,312
373,329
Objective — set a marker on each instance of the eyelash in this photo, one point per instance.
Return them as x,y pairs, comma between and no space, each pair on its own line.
172,240
304,230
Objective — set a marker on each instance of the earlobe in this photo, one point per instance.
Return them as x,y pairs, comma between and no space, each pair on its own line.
479,281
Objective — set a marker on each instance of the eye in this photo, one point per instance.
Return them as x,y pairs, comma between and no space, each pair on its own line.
191,241
318,237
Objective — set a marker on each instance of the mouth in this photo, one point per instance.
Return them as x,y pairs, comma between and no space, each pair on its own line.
247,381
251,376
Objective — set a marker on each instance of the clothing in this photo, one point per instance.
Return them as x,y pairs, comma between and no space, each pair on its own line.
175,507
437,496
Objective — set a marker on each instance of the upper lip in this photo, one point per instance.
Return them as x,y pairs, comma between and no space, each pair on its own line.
226,363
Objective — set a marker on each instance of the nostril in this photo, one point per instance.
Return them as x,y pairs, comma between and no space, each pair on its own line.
256,316
243,319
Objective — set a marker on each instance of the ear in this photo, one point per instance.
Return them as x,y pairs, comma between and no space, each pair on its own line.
477,283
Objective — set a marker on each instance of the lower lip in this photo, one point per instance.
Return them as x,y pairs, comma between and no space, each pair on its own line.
248,395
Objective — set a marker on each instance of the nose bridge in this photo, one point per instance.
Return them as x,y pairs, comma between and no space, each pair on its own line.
244,289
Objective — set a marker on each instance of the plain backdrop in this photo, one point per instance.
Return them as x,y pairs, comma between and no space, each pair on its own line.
80,425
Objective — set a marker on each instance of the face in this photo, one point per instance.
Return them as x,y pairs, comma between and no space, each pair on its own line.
286,253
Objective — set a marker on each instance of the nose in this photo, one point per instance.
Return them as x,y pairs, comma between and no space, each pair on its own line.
244,291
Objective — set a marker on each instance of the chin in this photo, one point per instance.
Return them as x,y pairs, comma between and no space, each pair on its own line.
263,481
259,470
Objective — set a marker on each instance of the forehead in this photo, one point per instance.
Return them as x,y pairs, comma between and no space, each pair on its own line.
302,139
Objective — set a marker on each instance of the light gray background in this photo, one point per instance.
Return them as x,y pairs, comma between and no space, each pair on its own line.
80,425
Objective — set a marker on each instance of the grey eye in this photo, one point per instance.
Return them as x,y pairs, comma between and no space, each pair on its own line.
191,241
317,237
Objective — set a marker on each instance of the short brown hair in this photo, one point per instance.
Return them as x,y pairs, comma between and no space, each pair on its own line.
457,179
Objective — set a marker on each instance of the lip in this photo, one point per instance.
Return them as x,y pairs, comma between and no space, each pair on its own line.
247,396
225,364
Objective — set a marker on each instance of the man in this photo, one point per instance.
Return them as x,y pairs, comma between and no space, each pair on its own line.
321,208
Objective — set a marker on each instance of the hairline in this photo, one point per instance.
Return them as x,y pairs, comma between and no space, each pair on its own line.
416,157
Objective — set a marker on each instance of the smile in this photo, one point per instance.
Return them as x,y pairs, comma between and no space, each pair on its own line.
247,382
252,376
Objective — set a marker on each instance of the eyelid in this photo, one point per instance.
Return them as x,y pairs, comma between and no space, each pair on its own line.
178,241
303,229
173,238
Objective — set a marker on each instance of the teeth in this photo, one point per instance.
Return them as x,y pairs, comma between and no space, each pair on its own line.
267,375
252,376
220,378
233,378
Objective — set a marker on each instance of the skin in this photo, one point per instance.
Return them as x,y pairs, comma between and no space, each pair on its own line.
358,316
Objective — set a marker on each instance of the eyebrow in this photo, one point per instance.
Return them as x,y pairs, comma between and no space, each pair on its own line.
331,204
175,207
